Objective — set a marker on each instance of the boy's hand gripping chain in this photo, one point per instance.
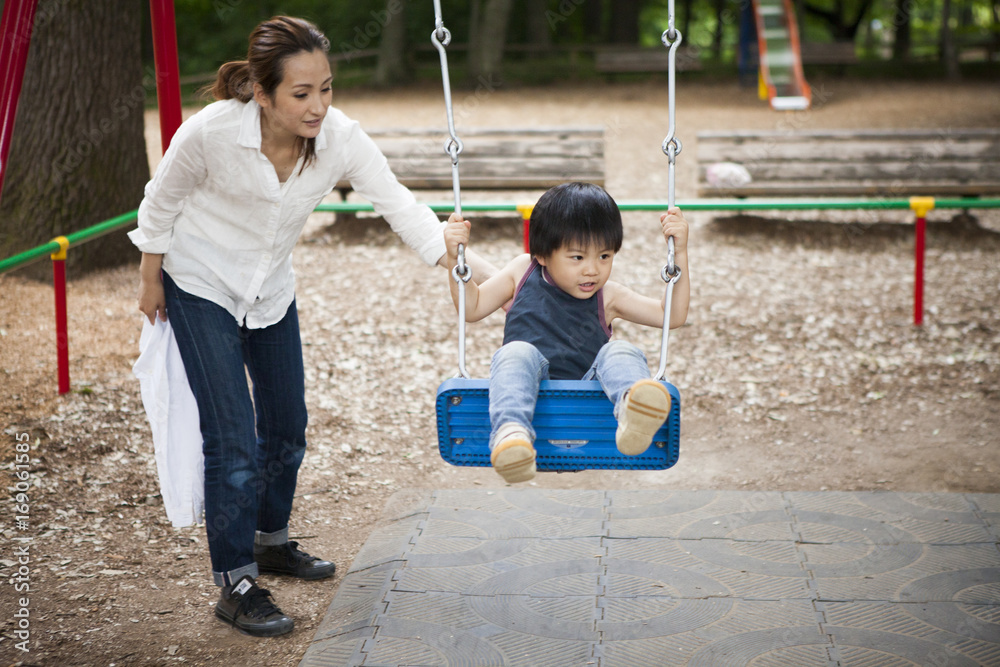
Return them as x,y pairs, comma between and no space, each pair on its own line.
462,272
672,146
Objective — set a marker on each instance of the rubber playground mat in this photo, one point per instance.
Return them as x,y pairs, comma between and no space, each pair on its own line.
631,578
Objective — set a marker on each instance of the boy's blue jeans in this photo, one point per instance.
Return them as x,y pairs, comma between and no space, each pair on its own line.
253,448
518,368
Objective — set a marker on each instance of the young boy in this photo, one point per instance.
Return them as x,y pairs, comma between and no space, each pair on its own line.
559,323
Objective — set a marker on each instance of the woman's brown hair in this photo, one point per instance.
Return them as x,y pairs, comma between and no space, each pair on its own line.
271,43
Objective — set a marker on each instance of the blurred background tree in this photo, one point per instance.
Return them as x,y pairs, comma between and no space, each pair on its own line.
387,42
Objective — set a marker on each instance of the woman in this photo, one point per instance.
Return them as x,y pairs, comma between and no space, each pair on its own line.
216,229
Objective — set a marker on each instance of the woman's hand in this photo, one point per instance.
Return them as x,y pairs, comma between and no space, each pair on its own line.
152,301
673,224
456,232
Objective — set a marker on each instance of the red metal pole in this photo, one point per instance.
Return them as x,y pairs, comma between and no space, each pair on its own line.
525,211
168,83
918,278
62,332
15,38
920,207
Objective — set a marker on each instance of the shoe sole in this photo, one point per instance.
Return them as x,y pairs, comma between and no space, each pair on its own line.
304,577
514,460
646,409
263,632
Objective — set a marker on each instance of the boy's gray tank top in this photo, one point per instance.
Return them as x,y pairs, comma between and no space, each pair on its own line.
568,331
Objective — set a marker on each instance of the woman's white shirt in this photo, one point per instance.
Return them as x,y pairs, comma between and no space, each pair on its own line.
227,227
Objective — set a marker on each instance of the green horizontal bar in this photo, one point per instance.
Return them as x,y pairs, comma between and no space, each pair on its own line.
101,228
805,204
702,205
364,207
27,257
74,238
84,235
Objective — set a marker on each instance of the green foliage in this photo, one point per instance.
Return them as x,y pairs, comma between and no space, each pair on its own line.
211,32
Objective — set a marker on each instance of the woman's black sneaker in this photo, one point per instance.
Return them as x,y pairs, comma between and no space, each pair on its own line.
251,610
287,558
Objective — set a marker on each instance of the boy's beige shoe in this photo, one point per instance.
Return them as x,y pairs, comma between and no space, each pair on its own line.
513,457
647,406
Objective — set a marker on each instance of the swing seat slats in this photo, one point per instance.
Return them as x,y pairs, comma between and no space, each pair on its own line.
574,424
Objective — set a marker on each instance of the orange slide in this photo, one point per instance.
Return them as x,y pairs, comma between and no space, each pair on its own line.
781,77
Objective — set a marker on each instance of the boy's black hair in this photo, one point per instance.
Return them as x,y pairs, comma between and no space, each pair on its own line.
574,213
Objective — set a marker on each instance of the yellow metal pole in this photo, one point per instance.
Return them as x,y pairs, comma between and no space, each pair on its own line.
525,211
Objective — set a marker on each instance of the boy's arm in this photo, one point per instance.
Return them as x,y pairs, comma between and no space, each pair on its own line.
485,298
622,302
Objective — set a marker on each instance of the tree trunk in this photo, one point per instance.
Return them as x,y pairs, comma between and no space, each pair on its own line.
948,51
392,64
684,21
799,7
486,52
719,7
593,21
901,33
539,32
78,151
625,22
995,40
475,12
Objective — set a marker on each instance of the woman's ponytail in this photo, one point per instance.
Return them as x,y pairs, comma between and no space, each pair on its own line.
233,82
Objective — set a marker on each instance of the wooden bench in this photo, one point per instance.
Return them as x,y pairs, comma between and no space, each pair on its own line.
867,163
828,53
632,59
493,159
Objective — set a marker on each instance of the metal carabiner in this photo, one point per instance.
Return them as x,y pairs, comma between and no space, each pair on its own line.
461,270
672,147
462,273
453,146
441,36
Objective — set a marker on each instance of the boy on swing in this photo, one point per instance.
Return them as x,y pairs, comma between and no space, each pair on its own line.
559,324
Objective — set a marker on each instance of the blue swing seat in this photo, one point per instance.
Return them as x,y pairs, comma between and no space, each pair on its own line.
574,425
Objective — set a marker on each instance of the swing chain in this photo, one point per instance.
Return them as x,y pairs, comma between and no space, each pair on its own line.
462,272
672,146
441,37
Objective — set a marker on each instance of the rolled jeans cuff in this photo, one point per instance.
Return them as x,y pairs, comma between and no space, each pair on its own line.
232,576
276,538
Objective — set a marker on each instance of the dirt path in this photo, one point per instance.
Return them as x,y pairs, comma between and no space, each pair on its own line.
799,369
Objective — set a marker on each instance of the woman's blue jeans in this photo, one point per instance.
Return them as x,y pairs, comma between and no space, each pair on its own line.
253,447
518,368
